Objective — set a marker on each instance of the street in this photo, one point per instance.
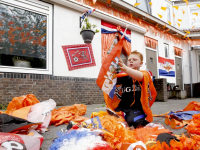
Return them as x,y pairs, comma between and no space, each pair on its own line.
157,108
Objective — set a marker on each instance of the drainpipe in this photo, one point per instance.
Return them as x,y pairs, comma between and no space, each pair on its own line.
190,65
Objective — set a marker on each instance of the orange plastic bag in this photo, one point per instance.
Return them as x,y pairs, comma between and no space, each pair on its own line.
22,101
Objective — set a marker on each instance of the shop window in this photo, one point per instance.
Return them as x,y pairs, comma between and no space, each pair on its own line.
22,38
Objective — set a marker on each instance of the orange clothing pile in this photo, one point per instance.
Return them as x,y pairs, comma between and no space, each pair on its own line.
68,113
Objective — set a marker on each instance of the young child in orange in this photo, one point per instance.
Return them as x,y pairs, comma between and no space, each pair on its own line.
135,92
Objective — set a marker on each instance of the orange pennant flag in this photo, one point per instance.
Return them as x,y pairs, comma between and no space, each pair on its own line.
180,20
164,8
188,32
173,15
94,1
186,2
193,27
176,7
164,26
131,16
136,4
150,3
183,11
185,35
195,14
11,50
179,24
108,2
198,5
160,16
169,22
23,51
42,50
167,30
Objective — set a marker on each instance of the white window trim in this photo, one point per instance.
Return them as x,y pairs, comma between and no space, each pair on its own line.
170,7
197,59
190,19
43,9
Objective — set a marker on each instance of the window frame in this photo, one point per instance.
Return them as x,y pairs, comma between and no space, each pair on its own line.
43,9
190,8
165,44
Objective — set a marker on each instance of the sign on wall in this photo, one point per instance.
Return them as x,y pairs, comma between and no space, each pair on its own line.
166,67
79,56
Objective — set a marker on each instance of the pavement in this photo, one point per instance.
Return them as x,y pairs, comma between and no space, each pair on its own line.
157,108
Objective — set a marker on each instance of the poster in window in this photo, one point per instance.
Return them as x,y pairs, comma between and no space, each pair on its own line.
79,56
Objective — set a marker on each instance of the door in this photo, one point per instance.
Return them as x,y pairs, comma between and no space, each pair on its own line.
179,78
151,62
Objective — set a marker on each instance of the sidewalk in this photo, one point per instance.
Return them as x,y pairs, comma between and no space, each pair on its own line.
157,108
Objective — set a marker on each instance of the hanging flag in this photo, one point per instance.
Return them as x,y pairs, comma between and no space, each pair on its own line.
136,4
176,7
169,22
11,50
195,14
173,15
107,75
160,16
167,30
164,8
188,32
94,1
166,67
180,20
193,27
164,26
185,35
23,51
178,24
186,2
108,2
183,11
198,5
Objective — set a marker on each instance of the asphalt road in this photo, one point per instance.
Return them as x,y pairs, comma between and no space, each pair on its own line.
157,108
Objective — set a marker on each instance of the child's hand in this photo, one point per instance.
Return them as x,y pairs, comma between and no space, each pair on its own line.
122,66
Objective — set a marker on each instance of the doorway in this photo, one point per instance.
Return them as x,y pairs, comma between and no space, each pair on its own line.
179,76
151,62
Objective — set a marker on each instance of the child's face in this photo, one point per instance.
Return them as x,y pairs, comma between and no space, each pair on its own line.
134,61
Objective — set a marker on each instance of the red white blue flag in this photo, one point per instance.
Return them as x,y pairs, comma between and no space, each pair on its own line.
166,67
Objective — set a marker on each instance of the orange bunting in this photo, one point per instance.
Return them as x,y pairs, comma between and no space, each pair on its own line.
136,4
183,11
176,7
198,5
94,1
1,24
42,50
150,3
23,51
164,26
195,14
10,23
180,20
193,27
167,30
173,15
131,16
179,24
108,2
188,32
186,2
11,50
185,35
160,16
164,8
169,22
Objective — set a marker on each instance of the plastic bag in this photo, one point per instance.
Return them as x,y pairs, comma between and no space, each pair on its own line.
11,141
41,112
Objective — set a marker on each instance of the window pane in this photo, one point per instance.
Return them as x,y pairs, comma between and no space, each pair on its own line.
168,14
143,5
194,19
22,38
166,50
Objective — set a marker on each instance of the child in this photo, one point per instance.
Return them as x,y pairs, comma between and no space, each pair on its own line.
136,92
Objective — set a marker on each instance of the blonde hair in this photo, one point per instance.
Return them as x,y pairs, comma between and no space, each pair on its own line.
135,52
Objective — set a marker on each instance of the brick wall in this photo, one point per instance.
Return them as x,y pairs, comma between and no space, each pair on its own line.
161,88
187,87
64,90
